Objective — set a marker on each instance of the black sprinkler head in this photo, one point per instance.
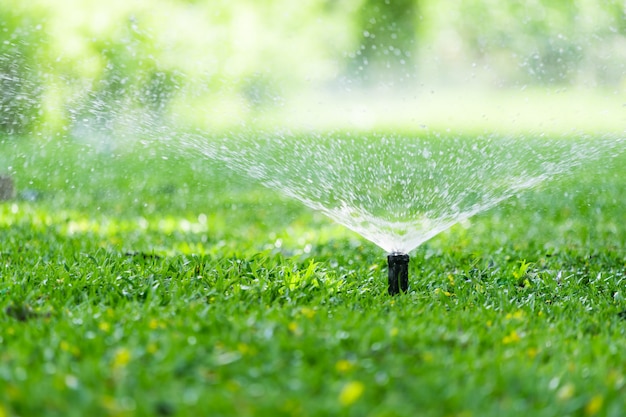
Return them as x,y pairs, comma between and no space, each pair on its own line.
398,272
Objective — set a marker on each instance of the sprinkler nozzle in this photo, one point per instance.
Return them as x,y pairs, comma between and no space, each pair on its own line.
398,272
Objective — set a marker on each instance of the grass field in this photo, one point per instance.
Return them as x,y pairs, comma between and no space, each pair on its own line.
132,284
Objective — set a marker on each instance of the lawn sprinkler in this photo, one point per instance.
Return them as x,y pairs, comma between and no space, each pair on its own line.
398,272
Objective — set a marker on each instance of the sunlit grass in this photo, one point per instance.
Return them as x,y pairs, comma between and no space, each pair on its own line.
550,110
133,291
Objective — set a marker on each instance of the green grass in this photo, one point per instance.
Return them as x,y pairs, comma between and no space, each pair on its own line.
135,285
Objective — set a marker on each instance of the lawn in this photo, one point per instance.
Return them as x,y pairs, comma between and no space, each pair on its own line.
137,282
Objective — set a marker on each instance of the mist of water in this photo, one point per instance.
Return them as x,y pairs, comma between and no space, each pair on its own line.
398,190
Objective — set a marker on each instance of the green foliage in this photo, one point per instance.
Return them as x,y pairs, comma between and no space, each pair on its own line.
130,79
543,42
387,31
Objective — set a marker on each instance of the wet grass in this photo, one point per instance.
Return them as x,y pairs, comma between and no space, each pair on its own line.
135,285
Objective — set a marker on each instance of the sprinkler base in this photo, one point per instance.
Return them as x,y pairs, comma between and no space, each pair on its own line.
398,273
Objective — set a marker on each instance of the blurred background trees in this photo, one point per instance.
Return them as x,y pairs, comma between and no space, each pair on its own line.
386,41
69,62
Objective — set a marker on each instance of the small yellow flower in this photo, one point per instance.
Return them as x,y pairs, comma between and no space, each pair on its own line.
121,358
66,347
307,312
153,324
532,352
518,315
104,326
293,327
393,332
245,349
451,279
344,366
594,405
351,392
3,411
512,337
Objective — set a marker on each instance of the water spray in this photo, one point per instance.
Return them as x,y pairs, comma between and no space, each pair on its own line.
398,272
